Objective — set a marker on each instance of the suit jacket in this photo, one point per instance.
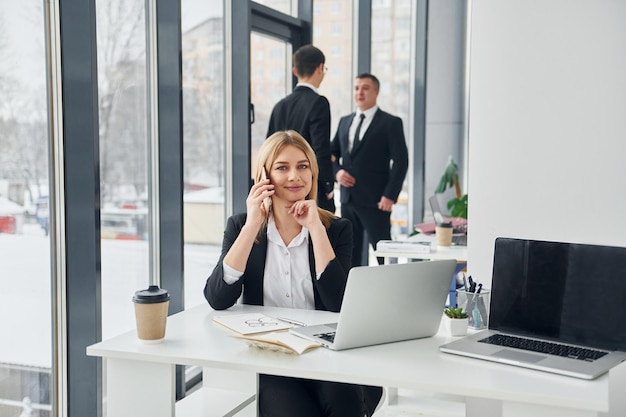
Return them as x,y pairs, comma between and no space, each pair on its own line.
327,290
307,113
369,162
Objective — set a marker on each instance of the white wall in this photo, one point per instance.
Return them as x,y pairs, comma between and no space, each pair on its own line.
547,124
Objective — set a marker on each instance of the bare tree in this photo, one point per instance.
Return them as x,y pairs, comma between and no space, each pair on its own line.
122,98
23,122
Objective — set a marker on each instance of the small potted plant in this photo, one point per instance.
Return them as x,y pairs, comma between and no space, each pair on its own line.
457,320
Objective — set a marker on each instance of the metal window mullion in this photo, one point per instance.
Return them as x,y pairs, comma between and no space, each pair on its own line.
166,140
152,80
237,62
417,112
361,60
56,205
362,36
75,202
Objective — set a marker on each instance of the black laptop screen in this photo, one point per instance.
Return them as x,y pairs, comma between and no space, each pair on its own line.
572,293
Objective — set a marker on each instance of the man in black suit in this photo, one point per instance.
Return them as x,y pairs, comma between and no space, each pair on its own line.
371,161
308,113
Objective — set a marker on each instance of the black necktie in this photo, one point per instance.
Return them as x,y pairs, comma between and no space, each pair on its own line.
357,134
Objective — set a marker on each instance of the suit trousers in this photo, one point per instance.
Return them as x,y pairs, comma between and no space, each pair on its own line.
375,222
287,397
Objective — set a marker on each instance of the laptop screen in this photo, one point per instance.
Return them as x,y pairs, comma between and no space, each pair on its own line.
571,293
436,208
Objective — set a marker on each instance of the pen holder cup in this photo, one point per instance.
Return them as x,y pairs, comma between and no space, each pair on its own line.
476,305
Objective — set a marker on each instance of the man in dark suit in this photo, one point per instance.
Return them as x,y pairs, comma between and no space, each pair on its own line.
371,161
308,113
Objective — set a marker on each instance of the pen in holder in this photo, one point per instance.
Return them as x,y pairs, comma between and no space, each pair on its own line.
476,304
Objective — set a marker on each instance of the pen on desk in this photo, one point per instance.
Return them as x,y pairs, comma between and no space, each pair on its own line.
291,321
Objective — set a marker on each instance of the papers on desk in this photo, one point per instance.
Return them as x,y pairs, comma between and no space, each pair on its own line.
404,246
265,332
284,342
251,323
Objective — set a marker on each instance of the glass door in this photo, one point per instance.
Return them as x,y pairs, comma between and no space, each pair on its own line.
270,81
277,29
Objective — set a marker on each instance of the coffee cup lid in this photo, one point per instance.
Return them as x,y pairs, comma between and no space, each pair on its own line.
444,224
152,295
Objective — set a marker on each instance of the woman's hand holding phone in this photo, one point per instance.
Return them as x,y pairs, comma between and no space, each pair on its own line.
256,205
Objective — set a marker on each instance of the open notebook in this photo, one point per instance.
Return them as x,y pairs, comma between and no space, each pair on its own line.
387,303
555,307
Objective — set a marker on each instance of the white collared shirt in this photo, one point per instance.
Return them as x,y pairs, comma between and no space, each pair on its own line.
369,116
287,276
311,86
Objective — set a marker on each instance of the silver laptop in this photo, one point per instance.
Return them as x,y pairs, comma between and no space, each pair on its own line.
555,307
459,236
387,303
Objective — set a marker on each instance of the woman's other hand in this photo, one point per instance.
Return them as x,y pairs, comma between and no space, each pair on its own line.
305,212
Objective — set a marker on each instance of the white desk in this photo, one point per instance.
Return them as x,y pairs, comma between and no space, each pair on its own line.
137,372
438,252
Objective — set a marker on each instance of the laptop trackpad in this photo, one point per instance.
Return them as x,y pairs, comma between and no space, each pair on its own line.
513,355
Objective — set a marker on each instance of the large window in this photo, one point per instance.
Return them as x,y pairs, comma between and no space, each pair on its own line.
124,151
332,33
121,43
391,57
270,66
25,274
203,143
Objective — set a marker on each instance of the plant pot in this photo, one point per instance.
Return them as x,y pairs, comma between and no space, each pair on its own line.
458,327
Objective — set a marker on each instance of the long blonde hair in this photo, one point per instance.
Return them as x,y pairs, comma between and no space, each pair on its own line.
273,146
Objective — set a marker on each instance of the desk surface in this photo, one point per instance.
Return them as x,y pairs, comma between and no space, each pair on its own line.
441,252
438,252
192,338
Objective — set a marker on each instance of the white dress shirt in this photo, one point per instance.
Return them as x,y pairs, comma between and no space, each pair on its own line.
369,116
311,86
287,276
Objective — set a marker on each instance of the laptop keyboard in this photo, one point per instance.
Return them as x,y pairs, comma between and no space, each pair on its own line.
544,347
460,229
459,240
330,336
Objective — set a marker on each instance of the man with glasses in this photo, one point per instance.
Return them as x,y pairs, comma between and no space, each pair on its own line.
308,113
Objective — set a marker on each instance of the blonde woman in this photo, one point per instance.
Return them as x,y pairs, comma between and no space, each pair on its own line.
287,252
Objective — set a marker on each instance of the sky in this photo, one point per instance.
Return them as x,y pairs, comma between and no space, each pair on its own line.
194,12
22,48
22,34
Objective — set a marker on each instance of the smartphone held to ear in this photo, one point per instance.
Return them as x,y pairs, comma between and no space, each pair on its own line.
267,201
